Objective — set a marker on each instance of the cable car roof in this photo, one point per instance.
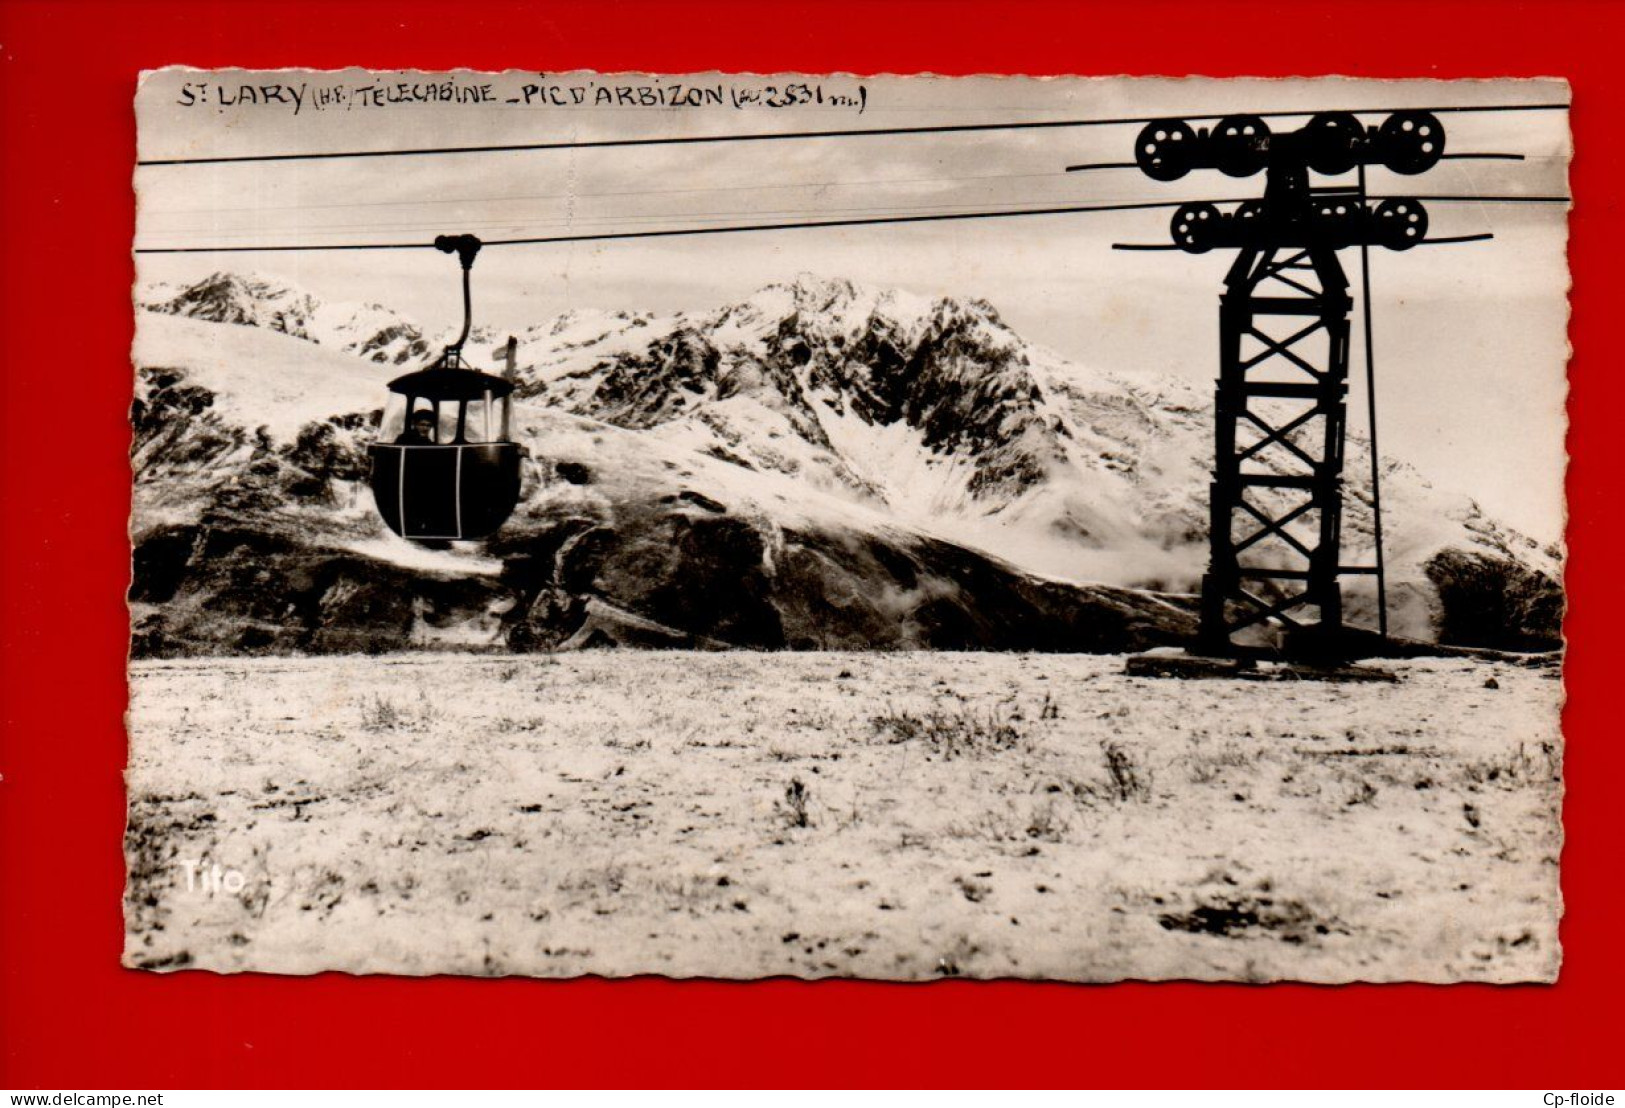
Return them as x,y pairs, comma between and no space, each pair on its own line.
451,384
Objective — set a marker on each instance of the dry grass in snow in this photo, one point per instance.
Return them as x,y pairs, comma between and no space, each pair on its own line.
882,815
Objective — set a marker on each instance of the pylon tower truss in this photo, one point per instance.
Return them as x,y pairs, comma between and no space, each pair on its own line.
1280,406
1276,497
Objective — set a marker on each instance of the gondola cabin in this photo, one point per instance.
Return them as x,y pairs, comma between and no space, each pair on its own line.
443,466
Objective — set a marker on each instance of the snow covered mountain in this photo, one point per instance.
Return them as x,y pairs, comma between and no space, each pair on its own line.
815,420
933,409
365,330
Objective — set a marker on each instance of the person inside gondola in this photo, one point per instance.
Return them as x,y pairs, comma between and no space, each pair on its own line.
419,432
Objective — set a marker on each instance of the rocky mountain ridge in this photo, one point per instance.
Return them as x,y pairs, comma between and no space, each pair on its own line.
854,466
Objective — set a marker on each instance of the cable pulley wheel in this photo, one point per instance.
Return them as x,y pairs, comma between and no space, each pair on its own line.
1334,139
1240,145
1410,142
1166,149
1247,222
1337,220
1195,227
1400,223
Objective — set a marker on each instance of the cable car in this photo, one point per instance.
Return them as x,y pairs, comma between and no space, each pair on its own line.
444,466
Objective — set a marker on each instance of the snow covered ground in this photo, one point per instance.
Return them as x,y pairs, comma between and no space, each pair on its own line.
881,815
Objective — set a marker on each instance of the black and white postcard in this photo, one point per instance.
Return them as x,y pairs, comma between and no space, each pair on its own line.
899,528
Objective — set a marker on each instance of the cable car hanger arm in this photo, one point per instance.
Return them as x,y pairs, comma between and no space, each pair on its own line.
467,248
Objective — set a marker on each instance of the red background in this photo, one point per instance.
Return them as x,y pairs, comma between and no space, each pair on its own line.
70,1017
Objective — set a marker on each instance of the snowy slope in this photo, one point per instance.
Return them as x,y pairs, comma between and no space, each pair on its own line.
261,378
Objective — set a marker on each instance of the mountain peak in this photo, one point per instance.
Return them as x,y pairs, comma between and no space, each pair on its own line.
261,300
225,297
837,306
818,291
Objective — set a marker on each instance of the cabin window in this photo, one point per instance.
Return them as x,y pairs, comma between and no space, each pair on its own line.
419,406
394,419
477,421
401,410
448,421
486,419
483,419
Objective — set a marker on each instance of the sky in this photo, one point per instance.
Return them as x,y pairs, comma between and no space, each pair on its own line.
1470,340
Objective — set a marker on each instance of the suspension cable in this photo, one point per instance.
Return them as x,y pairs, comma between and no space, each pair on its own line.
608,236
861,132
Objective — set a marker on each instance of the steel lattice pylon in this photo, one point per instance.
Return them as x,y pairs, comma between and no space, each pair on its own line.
1276,497
1276,507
